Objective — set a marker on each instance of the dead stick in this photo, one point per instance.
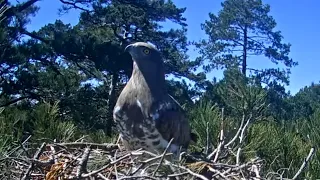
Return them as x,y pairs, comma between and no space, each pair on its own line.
241,140
102,176
83,162
163,154
148,161
207,139
241,166
36,156
237,134
193,173
115,166
256,171
34,161
178,174
304,164
106,166
217,172
138,177
106,147
188,170
221,139
54,157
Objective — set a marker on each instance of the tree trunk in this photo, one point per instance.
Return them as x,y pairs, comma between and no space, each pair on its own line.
111,102
244,58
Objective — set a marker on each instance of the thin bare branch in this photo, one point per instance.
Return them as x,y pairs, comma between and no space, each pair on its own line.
35,157
305,162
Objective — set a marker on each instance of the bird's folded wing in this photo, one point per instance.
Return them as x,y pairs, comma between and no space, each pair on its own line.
171,121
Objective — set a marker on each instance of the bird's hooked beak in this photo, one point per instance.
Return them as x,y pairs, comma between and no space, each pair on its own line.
131,49
128,48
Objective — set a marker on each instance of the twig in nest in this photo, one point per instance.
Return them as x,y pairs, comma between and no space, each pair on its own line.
36,156
118,140
54,157
81,138
115,157
304,164
163,154
207,139
190,172
217,172
83,162
34,161
148,161
106,166
221,139
241,166
23,147
237,134
105,147
102,176
241,139
256,171
136,177
211,154
178,174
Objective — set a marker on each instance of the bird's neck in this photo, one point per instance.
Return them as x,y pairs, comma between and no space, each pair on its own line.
149,79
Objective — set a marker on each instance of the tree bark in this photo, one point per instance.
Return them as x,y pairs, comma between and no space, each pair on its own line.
244,58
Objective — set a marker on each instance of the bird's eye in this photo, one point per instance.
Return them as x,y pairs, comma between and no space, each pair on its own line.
146,51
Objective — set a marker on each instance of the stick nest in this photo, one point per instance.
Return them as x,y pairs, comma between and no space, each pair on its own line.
80,160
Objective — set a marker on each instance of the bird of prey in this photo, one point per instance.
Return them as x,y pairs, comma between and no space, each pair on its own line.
145,114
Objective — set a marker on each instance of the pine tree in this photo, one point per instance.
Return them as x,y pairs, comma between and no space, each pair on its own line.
244,28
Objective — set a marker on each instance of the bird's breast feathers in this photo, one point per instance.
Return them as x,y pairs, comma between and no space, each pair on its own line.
152,126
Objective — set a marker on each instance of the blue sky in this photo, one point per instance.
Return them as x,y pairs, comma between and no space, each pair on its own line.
299,23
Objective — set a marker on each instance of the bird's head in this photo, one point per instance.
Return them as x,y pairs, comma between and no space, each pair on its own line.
142,52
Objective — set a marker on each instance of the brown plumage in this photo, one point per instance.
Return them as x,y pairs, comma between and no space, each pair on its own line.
145,114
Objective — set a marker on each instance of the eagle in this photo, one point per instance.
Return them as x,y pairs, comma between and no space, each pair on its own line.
145,115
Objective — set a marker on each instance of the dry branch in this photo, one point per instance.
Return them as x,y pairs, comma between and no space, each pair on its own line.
304,164
105,147
35,157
